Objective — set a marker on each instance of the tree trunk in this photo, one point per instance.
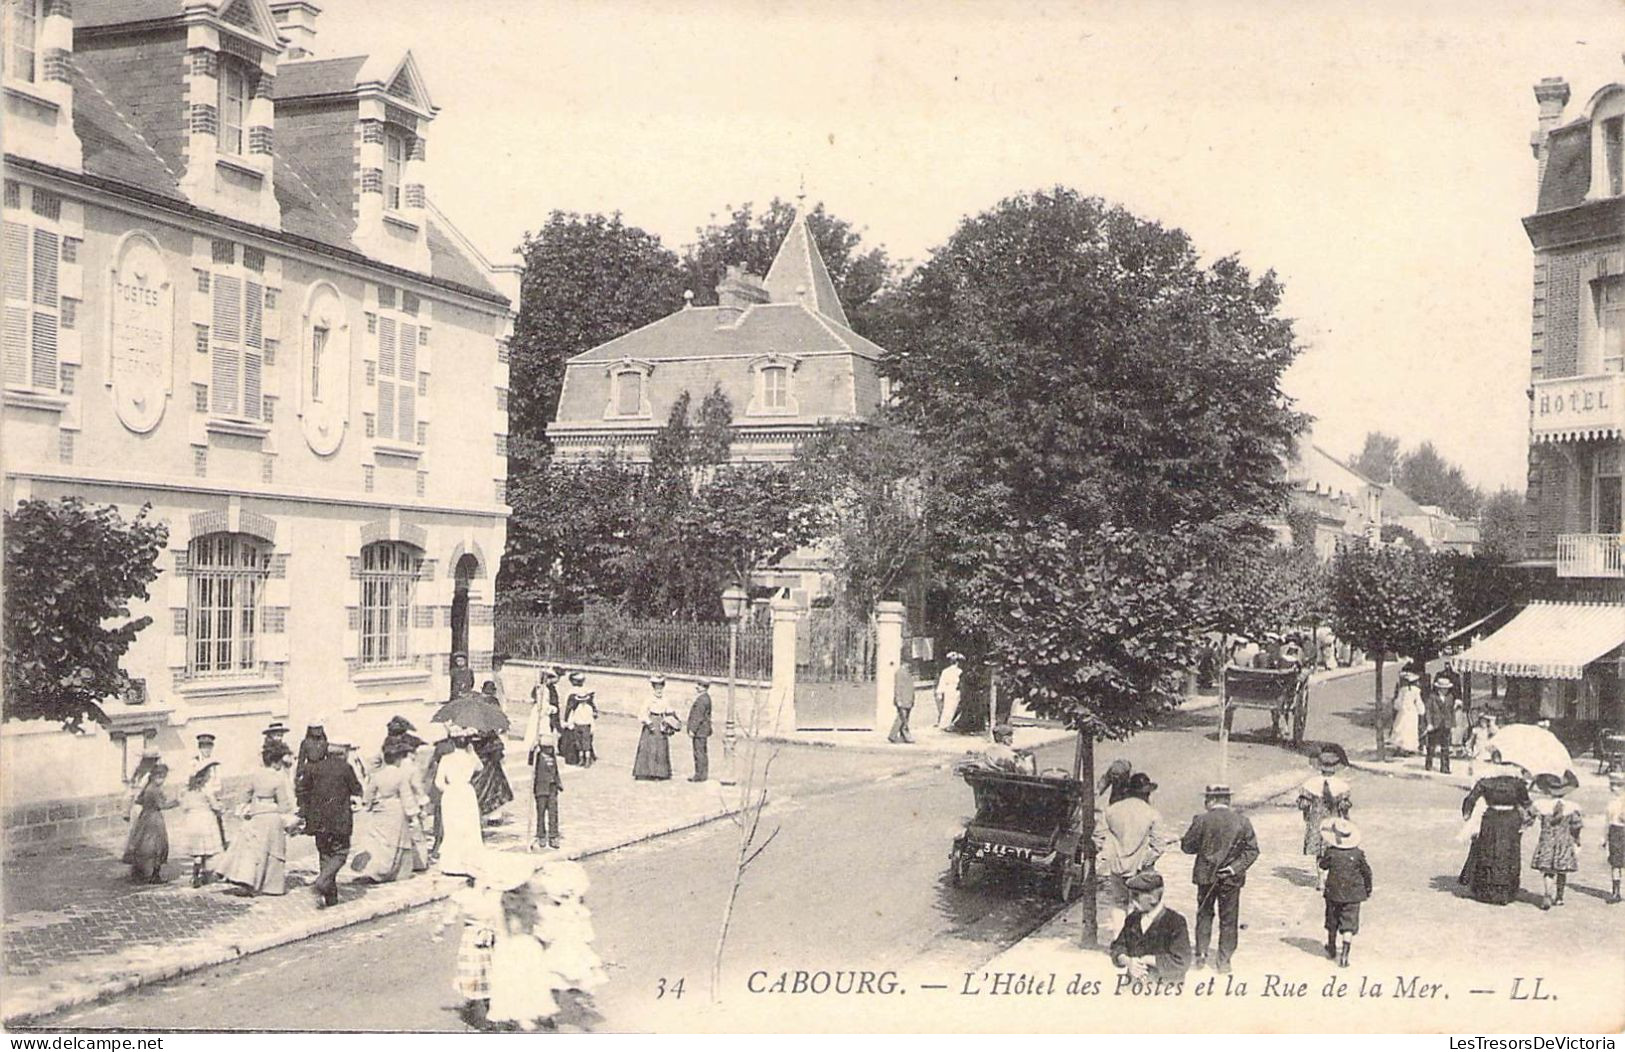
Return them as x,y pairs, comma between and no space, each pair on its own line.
1376,689
1083,769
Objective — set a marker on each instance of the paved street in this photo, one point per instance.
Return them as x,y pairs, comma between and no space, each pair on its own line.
866,861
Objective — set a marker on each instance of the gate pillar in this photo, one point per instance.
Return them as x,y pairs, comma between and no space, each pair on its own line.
781,700
888,658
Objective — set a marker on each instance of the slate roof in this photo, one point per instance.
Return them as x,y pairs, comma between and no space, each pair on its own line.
780,328
90,13
798,267
321,76
1568,167
115,149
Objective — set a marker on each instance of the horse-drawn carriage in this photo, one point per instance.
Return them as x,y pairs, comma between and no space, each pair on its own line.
1282,692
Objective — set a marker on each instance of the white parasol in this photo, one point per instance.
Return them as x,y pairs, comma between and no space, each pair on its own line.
1533,748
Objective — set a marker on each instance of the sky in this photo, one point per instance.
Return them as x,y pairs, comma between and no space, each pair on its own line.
1375,155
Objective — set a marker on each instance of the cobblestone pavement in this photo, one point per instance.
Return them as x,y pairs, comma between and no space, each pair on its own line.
75,927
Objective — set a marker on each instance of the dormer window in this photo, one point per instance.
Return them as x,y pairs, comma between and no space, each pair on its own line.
394,167
772,387
628,393
22,39
234,94
776,387
1613,154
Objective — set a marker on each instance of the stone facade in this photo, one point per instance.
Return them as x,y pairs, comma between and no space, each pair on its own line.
261,372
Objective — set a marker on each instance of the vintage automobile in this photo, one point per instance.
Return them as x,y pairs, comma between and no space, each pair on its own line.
1024,822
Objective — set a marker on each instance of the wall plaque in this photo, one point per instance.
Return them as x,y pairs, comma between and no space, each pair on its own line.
141,338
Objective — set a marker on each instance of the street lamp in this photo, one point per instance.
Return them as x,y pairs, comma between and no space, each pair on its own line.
734,601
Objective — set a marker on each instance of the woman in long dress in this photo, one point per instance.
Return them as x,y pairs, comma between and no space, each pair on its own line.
257,861
1494,861
653,760
1408,711
384,851
463,842
148,847
197,833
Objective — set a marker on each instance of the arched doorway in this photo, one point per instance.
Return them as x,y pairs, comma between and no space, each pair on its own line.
464,573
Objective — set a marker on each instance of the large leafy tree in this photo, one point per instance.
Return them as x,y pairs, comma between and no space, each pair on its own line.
1429,478
71,571
752,238
878,500
1104,413
587,280
1501,526
1378,459
1391,600
571,520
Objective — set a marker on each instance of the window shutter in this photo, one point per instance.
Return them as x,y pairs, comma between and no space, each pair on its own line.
224,377
16,345
387,365
44,350
228,308
254,303
47,257
406,393
253,396
16,262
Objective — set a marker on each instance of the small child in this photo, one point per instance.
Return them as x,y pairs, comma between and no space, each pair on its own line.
1348,883
583,714
1616,831
546,785
198,833
479,907
1557,850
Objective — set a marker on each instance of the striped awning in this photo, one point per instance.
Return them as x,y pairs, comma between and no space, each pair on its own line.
1549,641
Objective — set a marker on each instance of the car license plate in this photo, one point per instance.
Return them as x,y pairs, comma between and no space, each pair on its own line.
1008,851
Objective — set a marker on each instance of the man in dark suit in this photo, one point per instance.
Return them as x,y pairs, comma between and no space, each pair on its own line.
1155,942
1440,707
699,729
1225,847
328,786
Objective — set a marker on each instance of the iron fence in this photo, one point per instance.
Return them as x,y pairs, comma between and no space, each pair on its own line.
689,648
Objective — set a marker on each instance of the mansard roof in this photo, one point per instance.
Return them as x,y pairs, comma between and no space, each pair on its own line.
704,332
119,148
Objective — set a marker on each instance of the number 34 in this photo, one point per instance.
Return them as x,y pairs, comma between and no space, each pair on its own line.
675,989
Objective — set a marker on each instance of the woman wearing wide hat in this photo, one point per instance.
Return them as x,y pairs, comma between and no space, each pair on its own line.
1494,866
653,760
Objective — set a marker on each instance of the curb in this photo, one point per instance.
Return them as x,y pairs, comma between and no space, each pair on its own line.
319,924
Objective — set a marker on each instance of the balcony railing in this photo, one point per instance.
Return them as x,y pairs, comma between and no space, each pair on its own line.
1578,408
1590,555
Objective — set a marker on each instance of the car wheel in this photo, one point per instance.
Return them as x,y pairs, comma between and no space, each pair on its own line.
958,868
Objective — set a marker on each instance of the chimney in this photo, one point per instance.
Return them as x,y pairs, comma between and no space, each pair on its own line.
1552,93
296,23
736,291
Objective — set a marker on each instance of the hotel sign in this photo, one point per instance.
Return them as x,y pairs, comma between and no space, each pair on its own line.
1578,408
142,337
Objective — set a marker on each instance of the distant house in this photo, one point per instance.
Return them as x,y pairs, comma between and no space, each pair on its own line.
1342,503
1432,525
779,347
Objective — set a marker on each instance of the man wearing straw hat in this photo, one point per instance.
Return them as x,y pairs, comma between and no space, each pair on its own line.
1225,847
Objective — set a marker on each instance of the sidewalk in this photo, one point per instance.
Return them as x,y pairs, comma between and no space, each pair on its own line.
76,930
1419,922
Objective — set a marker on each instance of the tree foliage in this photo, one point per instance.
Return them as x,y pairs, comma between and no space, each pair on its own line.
1103,413
587,280
1378,459
753,239
878,498
1255,589
1392,600
1501,526
71,571
1431,479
